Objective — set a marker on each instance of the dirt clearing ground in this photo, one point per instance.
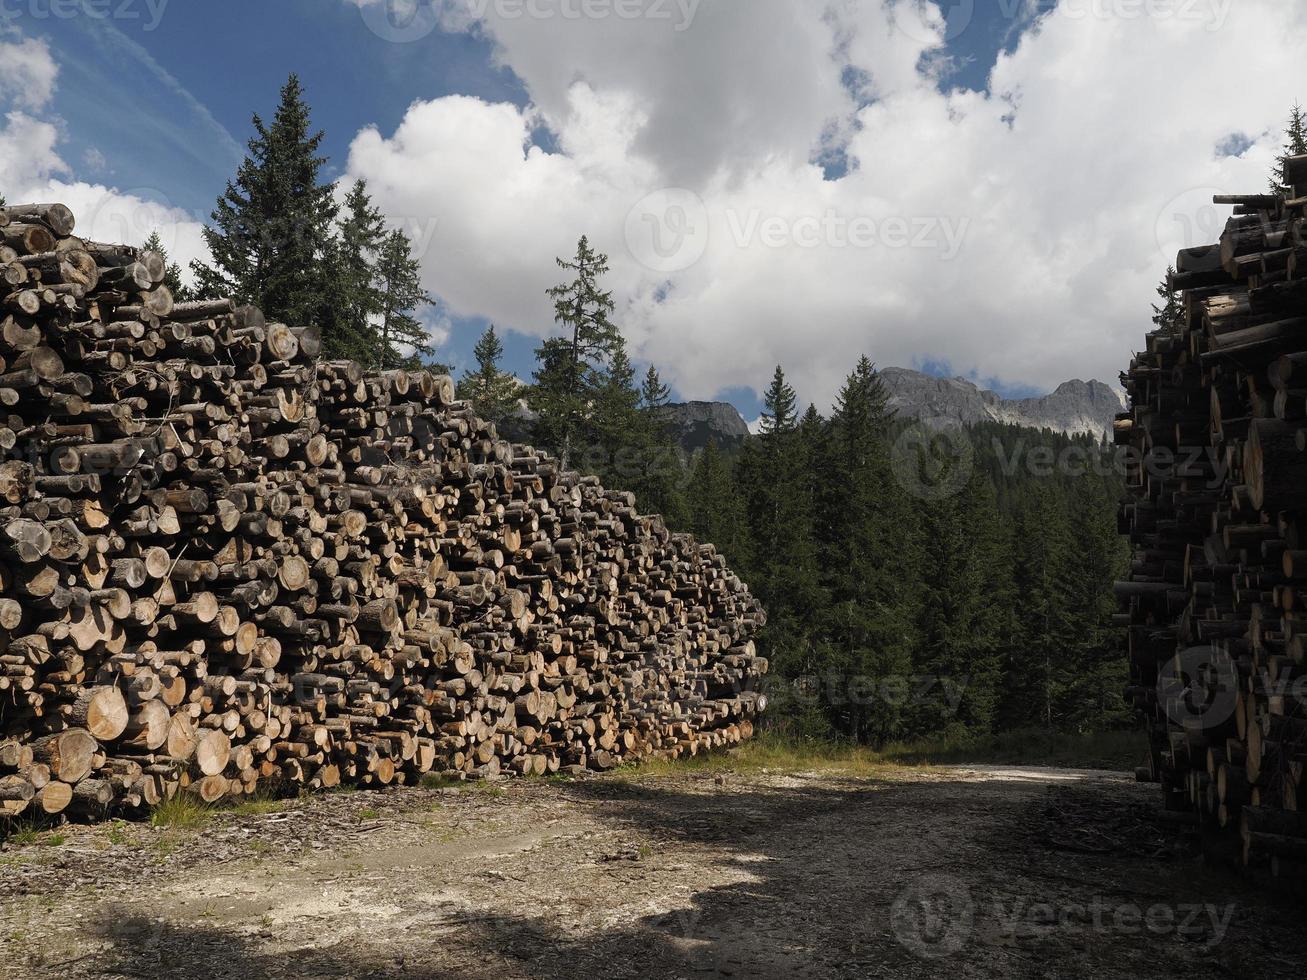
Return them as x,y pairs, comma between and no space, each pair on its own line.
902,873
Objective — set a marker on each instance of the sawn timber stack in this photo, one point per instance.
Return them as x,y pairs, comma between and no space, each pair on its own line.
226,564
1216,604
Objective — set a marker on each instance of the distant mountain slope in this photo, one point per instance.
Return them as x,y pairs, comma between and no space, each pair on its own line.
694,424
1076,407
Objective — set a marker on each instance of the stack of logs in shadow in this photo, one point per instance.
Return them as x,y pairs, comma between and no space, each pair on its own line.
1217,597
226,564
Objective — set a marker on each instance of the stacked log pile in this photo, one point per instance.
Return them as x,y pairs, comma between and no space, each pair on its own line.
226,565
1216,603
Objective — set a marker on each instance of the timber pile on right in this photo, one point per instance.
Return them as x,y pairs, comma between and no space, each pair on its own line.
1216,601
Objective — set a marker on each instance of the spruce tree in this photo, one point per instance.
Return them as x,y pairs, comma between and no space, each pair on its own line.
778,416
402,340
272,227
716,512
1295,144
959,624
1035,668
351,287
775,473
492,392
613,427
573,367
172,276
659,486
654,395
1167,317
1095,673
867,537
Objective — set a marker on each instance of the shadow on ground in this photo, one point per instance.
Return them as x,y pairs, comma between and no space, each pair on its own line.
828,878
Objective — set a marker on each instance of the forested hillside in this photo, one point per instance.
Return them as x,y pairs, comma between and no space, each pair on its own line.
919,582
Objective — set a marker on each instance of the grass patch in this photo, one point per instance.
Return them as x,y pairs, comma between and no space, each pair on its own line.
1118,751
21,834
440,780
182,812
258,805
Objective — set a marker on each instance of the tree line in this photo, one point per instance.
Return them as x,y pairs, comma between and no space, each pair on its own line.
896,611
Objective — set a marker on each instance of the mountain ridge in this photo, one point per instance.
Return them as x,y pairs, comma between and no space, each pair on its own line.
1073,408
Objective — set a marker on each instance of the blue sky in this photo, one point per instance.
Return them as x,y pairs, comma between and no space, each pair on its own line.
163,109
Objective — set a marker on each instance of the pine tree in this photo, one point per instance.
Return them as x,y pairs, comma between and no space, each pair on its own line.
272,227
1095,673
779,402
402,340
654,395
573,367
658,487
959,624
172,276
1035,659
353,296
1169,314
613,428
716,511
1295,144
492,392
866,533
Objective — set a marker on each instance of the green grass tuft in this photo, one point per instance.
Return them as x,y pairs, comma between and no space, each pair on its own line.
182,812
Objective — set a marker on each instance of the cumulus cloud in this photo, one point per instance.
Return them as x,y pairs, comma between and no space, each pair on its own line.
1016,233
27,73
31,168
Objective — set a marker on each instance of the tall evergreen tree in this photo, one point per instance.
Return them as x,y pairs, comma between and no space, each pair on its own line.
868,539
1295,144
573,367
1035,668
658,486
1167,316
654,395
272,227
716,510
1095,673
492,392
352,287
959,625
402,340
613,428
172,276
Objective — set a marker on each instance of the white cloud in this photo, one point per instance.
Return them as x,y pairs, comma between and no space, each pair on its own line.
31,169
27,73
1075,180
